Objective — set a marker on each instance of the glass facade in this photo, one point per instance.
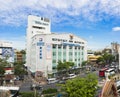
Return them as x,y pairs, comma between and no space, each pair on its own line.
67,53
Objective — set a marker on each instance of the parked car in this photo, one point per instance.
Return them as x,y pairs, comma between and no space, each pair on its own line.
61,81
35,86
71,76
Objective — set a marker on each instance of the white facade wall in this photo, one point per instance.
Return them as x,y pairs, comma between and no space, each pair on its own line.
42,46
36,25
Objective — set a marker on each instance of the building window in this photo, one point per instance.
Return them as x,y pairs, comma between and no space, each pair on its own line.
54,53
54,39
59,53
75,47
64,53
70,47
82,48
64,60
70,60
53,46
53,61
59,46
40,47
76,53
59,39
70,53
70,41
64,47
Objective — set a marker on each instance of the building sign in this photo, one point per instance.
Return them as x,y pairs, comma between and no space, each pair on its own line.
48,51
41,23
40,43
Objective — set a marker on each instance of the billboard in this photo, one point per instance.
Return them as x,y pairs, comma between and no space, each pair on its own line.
7,52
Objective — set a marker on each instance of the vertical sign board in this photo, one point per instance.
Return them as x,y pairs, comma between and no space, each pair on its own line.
48,51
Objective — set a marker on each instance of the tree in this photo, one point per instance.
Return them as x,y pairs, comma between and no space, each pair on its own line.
19,70
97,53
64,65
63,68
81,87
2,70
84,63
106,58
23,51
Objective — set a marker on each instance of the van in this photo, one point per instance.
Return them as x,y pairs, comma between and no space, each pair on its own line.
52,80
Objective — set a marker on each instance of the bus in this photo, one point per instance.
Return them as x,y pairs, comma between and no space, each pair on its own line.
102,72
9,90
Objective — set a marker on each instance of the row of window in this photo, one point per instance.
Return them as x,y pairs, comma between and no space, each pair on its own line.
40,53
64,47
64,53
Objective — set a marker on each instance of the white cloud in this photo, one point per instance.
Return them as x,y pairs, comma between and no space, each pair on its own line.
16,12
116,29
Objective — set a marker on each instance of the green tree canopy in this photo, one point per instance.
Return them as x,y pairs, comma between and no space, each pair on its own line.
81,87
23,51
106,58
64,65
2,70
19,70
84,63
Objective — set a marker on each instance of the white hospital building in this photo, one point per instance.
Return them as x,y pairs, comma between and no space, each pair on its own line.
45,49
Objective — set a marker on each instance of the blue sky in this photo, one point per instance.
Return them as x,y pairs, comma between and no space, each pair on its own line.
97,21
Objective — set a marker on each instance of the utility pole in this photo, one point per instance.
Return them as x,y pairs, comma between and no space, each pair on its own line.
119,57
35,92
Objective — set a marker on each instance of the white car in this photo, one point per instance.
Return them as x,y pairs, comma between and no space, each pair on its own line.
71,76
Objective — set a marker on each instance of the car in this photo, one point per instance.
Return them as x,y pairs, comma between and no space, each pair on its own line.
71,76
93,69
35,86
61,81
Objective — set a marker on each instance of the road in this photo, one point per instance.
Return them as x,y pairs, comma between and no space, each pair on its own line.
28,81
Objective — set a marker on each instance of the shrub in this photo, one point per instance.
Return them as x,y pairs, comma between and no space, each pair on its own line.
28,94
49,91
